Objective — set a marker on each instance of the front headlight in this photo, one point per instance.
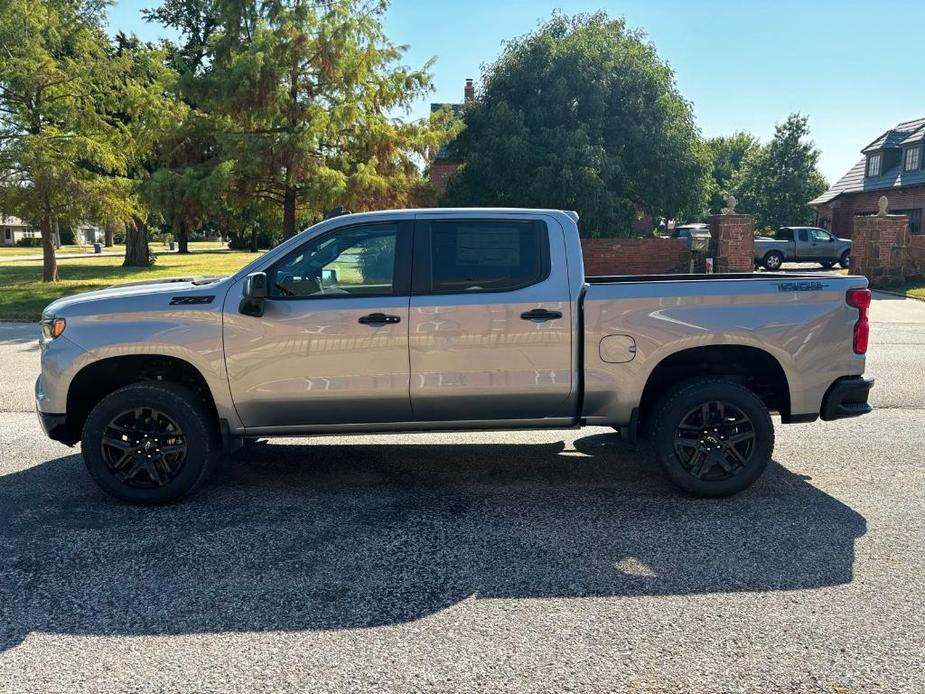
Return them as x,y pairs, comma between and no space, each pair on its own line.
52,327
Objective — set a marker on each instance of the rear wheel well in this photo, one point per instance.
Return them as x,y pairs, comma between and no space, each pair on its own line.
752,367
97,380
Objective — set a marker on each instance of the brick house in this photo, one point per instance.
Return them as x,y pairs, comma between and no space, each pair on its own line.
442,167
893,165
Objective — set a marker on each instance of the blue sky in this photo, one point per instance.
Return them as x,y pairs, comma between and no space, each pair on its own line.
854,67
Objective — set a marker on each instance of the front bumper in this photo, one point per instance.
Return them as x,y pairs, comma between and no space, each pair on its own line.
55,427
847,397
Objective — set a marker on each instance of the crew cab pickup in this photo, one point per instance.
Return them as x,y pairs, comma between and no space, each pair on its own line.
802,245
446,319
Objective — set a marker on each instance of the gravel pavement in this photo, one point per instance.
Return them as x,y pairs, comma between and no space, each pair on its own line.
530,561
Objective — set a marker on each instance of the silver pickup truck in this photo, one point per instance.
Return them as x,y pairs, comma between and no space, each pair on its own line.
445,319
802,245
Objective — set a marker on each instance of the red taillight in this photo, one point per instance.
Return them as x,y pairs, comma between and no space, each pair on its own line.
860,299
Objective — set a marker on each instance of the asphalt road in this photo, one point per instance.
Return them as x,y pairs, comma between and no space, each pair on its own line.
553,561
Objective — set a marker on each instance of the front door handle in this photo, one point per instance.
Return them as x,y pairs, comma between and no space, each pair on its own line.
379,319
541,315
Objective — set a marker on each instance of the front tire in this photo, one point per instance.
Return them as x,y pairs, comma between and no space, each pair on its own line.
827,264
712,437
845,259
149,443
772,261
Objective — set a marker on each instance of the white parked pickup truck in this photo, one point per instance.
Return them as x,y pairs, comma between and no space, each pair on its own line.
446,319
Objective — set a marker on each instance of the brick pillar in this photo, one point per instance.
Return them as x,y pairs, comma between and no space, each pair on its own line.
733,244
879,247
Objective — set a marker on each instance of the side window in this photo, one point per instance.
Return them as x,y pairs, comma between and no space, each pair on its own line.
820,235
489,256
355,261
804,237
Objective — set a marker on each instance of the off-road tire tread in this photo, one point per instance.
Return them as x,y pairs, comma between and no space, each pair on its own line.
178,396
663,431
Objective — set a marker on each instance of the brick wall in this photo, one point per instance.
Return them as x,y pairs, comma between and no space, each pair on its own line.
915,268
441,170
880,248
635,256
841,212
733,244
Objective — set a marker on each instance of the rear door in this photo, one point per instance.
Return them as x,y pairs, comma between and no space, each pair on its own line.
490,320
803,249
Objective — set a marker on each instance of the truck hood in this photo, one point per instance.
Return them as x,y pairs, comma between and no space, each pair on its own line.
172,285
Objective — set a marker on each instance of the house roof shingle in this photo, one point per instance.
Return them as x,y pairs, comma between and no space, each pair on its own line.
905,133
894,137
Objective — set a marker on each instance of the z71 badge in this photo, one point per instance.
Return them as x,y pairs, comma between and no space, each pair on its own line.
813,286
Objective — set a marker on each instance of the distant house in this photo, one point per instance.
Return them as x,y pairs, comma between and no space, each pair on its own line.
443,166
13,229
893,165
88,234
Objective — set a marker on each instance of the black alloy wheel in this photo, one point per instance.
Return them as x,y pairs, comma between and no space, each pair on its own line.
143,448
715,441
150,443
712,436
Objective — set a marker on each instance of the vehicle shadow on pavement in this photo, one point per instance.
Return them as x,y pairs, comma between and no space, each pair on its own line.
337,536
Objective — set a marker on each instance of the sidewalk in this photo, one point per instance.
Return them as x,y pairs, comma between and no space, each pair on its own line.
104,254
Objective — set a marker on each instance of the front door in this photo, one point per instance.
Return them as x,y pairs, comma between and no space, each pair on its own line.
823,245
332,345
490,324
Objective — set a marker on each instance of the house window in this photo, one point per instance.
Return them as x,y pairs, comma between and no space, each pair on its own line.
7,234
913,159
873,165
915,219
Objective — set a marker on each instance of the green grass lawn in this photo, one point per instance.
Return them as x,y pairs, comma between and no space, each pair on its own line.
913,288
23,295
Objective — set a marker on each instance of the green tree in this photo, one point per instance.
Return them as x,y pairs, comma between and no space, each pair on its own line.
299,95
58,149
582,114
728,154
778,179
149,111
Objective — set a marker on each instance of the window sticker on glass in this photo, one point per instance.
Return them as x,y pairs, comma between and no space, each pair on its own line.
488,247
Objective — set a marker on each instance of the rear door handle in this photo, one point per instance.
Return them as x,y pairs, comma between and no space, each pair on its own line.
379,319
540,315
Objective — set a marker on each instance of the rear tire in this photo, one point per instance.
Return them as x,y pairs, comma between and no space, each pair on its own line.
845,259
150,443
712,437
772,261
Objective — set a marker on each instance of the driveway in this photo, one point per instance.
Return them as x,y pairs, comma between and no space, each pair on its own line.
531,561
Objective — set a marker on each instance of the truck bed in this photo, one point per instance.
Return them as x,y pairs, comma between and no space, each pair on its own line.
634,322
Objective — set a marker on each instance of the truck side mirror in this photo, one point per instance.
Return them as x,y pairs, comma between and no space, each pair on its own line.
255,293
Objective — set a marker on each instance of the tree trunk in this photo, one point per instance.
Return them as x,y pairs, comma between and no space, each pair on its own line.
289,213
56,236
182,238
254,240
108,234
136,244
49,262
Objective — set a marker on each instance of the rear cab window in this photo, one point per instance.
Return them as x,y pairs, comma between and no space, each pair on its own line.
466,256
